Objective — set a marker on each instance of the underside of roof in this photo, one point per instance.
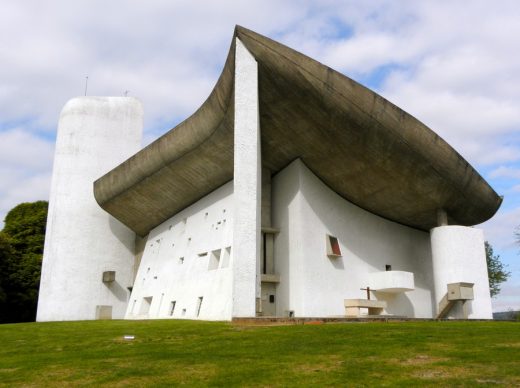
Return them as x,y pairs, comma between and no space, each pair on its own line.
363,147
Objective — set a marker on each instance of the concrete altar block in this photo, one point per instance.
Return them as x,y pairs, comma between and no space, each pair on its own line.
353,306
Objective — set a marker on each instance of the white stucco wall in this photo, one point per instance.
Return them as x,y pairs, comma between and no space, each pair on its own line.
247,185
459,256
94,135
311,283
193,234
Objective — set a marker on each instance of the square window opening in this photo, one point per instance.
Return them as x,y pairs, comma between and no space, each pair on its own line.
333,249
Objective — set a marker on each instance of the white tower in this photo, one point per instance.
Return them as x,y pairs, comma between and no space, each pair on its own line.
84,245
458,255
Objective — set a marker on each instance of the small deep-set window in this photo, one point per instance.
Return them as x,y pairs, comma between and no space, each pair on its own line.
225,257
214,259
172,306
388,267
145,305
181,260
333,249
109,276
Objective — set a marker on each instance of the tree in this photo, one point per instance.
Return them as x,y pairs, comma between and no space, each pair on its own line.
25,224
496,270
21,252
7,257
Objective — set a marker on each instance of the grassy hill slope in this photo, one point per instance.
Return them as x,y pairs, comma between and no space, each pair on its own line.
220,354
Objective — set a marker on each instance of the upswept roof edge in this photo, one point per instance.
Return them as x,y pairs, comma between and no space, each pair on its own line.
363,147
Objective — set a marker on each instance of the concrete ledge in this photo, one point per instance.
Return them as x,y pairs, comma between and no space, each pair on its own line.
391,281
272,321
270,278
365,303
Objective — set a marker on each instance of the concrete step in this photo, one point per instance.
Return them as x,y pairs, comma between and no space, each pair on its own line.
445,305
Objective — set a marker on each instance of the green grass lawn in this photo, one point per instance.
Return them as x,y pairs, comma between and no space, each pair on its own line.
220,354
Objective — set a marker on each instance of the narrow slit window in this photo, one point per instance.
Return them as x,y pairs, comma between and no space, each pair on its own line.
199,305
172,306
264,253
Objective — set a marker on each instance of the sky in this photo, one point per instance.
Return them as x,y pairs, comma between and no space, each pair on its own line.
454,65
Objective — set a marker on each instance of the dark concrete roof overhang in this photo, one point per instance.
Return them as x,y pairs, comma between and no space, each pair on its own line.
363,147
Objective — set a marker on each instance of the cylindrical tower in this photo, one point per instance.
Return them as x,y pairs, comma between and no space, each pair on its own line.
88,256
458,255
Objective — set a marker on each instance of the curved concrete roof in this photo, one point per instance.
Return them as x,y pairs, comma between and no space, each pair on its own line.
363,147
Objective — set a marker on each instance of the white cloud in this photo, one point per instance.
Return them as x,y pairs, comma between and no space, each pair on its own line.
21,148
453,66
362,54
25,189
505,172
500,229
25,168
167,53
